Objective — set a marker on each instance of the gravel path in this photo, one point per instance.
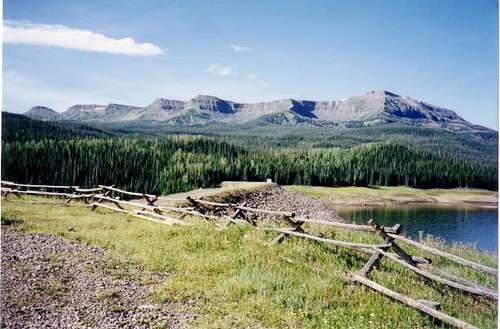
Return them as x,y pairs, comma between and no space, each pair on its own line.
49,282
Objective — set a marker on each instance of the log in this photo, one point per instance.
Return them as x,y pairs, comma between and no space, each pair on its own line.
456,259
162,217
129,203
69,198
278,239
238,212
96,205
267,212
149,200
350,245
101,197
196,204
416,259
194,213
41,193
112,188
41,186
473,289
395,229
88,190
296,227
150,219
457,279
84,196
374,260
255,210
174,208
421,306
48,202
390,240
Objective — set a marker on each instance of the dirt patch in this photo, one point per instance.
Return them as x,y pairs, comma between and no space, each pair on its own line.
274,197
49,282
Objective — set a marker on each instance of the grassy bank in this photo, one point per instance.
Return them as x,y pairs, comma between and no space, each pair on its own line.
386,195
236,280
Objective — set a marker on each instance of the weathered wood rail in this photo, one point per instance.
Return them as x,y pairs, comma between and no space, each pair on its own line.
417,304
106,197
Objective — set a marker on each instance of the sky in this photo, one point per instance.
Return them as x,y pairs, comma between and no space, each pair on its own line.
58,53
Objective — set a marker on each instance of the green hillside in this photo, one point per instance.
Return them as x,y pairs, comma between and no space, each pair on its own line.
16,127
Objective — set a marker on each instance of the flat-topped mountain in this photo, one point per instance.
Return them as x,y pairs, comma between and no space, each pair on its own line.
110,112
373,108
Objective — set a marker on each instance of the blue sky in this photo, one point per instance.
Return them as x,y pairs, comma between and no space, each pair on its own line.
60,53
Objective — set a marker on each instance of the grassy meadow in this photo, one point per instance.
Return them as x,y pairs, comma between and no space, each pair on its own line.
235,279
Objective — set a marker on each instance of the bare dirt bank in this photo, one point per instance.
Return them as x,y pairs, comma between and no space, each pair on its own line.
377,196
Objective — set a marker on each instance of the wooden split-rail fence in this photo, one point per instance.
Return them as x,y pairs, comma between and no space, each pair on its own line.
145,206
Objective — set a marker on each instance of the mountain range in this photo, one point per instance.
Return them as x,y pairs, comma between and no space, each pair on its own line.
373,108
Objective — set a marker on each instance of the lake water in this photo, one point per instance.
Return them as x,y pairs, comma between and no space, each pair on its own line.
453,224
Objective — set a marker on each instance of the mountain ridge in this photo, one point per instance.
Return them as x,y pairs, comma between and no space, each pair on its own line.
374,108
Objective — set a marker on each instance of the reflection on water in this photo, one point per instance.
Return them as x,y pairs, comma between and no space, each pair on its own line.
453,224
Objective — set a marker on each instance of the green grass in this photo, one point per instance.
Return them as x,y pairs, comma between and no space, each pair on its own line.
53,289
237,281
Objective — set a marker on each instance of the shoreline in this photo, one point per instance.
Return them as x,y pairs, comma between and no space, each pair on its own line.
416,202
398,195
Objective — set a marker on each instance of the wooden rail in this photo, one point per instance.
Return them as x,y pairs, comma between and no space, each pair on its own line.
350,245
367,228
63,187
88,190
255,210
142,214
456,259
471,288
39,193
202,208
419,305
112,188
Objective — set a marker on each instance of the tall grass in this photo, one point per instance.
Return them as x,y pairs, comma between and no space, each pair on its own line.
236,280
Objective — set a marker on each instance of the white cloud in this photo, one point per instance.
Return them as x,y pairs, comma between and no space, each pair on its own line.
241,49
257,81
220,69
66,37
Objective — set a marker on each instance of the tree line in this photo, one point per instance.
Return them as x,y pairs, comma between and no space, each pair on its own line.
181,163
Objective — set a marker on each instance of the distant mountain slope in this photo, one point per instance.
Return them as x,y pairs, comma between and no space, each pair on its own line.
16,127
43,113
373,108
110,112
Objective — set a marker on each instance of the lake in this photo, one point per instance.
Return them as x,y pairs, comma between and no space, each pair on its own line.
453,224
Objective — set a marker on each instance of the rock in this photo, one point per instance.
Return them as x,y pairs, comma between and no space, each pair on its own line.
36,293
277,198
373,108
43,113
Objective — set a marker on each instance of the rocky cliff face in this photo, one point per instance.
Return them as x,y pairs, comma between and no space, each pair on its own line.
375,107
93,112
